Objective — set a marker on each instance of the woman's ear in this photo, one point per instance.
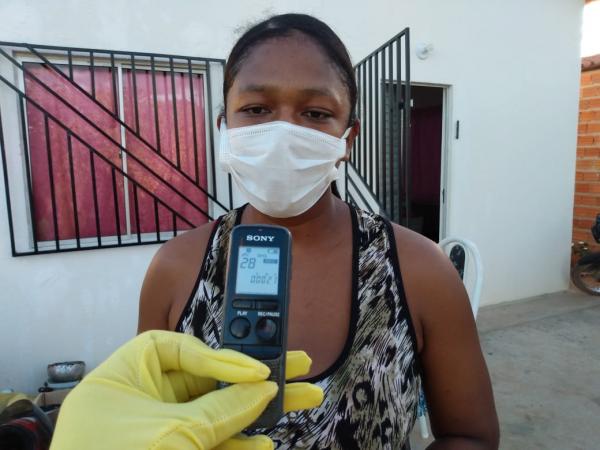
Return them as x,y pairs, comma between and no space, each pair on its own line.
354,131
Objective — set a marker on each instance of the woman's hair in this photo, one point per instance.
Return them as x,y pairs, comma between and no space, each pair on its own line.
284,25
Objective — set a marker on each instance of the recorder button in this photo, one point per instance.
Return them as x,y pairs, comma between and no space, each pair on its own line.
244,304
240,327
267,306
266,329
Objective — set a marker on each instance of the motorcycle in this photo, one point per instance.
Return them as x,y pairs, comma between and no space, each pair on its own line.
585,273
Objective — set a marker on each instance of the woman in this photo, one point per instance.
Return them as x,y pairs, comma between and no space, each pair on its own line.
378,307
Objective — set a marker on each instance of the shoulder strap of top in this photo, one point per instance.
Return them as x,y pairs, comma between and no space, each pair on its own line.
402,293
377,235
219,245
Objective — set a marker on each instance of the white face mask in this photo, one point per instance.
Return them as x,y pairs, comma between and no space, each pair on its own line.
281,168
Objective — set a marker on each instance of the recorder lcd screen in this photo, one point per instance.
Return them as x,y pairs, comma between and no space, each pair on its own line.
257,271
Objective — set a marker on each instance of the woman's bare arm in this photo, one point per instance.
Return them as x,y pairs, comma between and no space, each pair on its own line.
456,380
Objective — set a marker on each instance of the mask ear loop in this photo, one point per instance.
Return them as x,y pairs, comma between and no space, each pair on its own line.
335,169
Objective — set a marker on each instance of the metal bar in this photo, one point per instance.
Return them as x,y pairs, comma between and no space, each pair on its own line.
23,102
95,50
114,82
210,129
383,133
346,182
51,177
400,151
70,56
73,193
95,196
7,191
110,138
194,133
116,203
407,124
360,148
123,155
174,95
370,123
376,128
86,247
391,126
156,122
135,97
143,140
230,191
61,250
382,46
363,127
156,221
377,200
359,115
161,203
137,213
364,149
354,150
93,75
174,224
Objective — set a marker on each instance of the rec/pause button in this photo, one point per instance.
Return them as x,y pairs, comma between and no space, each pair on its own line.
266,329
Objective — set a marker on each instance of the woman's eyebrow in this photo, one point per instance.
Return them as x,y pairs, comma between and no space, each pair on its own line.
311,91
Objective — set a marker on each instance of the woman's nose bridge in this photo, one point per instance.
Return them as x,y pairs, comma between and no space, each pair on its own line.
288,113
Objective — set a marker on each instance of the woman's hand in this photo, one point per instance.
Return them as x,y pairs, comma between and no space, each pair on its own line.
158,391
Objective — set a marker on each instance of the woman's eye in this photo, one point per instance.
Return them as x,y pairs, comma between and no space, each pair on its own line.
317,115
255,110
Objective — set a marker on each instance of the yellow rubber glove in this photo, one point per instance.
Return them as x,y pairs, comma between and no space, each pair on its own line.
158,392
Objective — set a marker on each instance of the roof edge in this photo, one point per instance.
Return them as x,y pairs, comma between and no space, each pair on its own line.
590,63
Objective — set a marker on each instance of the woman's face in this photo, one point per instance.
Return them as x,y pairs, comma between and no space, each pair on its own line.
290,79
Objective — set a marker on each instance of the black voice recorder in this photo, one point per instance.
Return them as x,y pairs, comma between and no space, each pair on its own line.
256,303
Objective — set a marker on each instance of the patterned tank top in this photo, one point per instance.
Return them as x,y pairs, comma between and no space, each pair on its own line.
372,389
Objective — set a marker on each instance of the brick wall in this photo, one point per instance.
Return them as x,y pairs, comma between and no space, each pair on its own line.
587,177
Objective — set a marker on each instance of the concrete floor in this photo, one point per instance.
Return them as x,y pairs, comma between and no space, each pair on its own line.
543,355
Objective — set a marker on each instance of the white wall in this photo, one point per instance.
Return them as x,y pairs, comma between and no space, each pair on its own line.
514,71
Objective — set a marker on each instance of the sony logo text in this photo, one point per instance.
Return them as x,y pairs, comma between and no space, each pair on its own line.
256,238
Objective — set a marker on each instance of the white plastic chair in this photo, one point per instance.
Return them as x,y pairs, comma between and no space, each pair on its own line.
473,280
473,273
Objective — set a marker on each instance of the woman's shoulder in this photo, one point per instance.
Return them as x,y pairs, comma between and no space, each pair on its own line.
171,276
415,246
410,245
422,261
431,283
184,246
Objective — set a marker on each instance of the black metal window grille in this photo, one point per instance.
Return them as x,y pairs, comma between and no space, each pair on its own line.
380,156
115,149
166,193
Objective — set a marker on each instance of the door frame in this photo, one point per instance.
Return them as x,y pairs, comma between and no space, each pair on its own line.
445,151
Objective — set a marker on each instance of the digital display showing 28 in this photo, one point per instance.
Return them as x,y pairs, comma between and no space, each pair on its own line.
257,271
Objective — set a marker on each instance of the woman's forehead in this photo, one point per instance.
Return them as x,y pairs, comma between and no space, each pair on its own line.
294,62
